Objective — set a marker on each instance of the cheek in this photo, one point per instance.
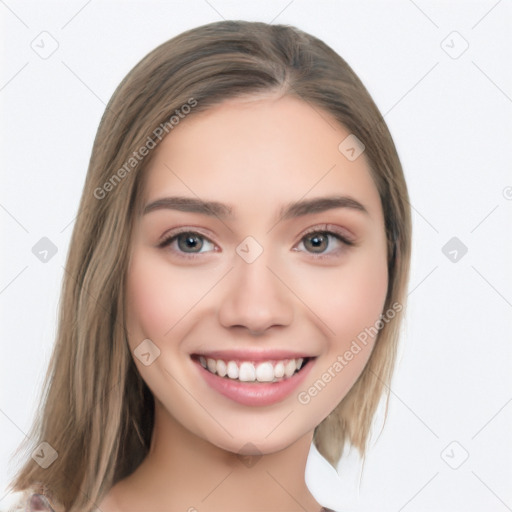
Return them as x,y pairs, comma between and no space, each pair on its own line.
348,301
155,300
350,298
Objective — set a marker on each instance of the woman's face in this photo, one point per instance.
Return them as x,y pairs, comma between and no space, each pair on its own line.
287,263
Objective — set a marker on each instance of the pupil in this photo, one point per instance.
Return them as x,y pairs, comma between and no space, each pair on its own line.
190,242
317,241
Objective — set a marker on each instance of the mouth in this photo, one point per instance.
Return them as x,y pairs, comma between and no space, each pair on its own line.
250,371
253,379
272,370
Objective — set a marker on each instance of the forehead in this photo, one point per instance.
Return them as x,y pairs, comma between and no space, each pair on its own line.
256,152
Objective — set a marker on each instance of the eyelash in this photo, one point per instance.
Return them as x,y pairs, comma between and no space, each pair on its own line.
323,230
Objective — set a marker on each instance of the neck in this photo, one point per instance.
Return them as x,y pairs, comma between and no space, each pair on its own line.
183,471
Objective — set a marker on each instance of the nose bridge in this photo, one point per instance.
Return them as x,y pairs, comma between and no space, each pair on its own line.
254,297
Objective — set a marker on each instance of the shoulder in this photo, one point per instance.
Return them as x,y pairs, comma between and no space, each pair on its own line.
26,501
14,501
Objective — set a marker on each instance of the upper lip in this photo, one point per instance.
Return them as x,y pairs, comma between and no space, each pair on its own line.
252,355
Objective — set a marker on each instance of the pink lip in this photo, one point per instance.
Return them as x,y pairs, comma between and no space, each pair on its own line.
257,393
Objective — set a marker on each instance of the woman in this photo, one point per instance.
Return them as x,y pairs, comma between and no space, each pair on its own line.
235,282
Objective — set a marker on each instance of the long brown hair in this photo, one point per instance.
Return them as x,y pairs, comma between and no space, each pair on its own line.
95,409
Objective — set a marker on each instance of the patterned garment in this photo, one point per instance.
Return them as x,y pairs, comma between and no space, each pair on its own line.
38,503
29,500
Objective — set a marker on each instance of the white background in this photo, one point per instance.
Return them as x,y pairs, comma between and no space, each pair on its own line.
452,124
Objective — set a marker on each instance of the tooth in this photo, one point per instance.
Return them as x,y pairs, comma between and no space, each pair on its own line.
232,370
247,372
212,365
279,370
250,372
265,372
289,368
221,368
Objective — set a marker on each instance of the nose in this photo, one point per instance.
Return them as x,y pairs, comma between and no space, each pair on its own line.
255,298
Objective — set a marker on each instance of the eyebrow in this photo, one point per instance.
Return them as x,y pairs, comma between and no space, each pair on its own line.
289,211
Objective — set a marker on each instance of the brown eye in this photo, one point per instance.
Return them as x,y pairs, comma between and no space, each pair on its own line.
318,242
324,243
187,243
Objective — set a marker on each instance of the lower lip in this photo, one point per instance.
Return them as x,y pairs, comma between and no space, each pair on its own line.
255,393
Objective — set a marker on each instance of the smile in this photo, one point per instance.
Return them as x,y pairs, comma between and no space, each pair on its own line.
251,371
257,380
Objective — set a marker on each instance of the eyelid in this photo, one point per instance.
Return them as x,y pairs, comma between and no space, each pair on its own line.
171,233
345,236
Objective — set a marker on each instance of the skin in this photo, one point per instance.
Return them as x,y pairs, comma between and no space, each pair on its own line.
255,154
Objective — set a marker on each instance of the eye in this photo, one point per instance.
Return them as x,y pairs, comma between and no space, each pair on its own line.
319,241
187,243
323,242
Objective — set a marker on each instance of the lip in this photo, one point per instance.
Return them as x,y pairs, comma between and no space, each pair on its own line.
254,393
